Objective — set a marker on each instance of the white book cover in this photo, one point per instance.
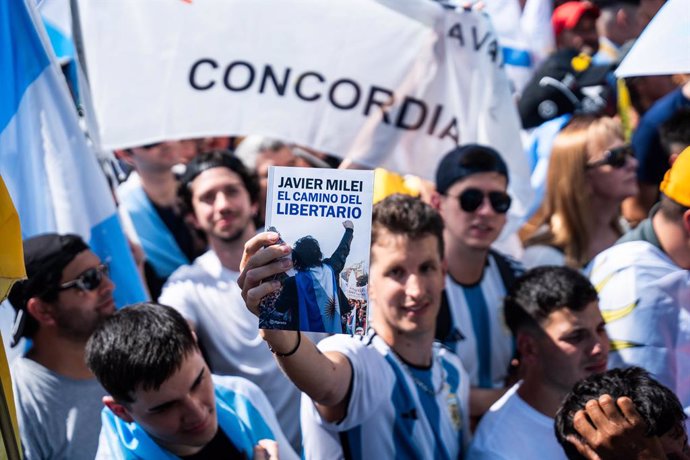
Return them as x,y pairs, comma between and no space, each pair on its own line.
325,217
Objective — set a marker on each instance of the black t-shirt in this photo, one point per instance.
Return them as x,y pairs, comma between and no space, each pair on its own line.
220,448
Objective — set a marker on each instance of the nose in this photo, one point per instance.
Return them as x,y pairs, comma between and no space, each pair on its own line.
107,285
194,410
413,286
485,208
601,345
221,201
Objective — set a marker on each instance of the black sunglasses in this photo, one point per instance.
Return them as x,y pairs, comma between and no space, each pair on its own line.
616,157
89,280
472,198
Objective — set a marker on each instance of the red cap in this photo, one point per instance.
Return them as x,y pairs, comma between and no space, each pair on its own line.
568,15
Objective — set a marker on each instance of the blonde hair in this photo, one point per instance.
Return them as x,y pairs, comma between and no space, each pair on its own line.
563,217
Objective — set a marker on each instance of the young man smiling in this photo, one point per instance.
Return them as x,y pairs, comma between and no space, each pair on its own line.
392,393
164,402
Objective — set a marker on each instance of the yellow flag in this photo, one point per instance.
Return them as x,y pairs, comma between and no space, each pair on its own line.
11,270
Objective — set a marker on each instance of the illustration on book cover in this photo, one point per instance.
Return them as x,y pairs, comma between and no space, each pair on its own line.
325,217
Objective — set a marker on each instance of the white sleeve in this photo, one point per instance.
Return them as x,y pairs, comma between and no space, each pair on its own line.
371,376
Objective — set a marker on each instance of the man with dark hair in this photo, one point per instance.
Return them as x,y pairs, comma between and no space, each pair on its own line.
644,287
315,288
393,393
560,334
66,296
472,198
622,413
218,196
164,402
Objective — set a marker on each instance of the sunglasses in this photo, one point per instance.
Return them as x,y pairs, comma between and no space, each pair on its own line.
89,280
616,157
472,198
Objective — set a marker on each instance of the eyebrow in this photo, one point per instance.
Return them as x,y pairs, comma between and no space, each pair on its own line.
166,404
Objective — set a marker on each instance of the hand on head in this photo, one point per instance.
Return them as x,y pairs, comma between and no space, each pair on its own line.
613,430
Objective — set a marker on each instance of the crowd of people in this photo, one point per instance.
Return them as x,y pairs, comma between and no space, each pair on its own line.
574,345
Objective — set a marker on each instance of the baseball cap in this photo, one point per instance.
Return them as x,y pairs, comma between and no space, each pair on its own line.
676,183
466,160
45,256
566,16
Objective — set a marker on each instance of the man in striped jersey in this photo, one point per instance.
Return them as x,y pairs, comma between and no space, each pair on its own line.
471,184
392,393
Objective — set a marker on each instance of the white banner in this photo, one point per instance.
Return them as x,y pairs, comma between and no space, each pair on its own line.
381,82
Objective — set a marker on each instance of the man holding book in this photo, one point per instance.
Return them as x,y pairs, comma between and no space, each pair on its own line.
392,392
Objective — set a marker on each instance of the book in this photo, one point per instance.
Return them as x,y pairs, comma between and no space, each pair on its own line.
325,217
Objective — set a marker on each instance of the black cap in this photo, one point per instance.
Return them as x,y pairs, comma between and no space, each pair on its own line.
208,160
466,160
45,256
557,88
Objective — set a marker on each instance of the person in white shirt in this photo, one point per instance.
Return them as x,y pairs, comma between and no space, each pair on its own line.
561,338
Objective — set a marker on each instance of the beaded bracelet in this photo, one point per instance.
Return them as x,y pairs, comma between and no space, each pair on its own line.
289,353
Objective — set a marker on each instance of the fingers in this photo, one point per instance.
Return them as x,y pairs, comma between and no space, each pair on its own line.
629,412
610,409
583,426
255,244
596,414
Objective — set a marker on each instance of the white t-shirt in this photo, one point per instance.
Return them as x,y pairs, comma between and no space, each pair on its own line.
207,294
513,430
389,415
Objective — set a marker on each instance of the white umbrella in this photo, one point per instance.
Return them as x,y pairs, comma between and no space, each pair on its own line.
663,48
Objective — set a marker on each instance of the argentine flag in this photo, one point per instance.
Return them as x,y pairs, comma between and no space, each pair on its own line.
50,171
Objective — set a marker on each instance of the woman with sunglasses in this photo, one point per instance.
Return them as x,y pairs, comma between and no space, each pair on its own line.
591,171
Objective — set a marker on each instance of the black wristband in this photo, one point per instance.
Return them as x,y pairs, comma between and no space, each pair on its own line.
291,352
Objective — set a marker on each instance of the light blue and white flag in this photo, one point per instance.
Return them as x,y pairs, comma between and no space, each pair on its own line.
50,171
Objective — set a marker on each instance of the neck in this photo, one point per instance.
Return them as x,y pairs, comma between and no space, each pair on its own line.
414,349
541,397
466,266
160,187
673,240
62,356
230,253
602,234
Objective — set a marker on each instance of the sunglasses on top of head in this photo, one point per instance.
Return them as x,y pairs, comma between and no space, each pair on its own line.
472,198
89,280
616,157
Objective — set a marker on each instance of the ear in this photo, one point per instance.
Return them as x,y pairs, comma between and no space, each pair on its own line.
41,311
125,155
435,200
528,348
117,409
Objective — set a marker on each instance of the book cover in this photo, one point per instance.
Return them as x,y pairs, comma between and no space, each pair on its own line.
325,217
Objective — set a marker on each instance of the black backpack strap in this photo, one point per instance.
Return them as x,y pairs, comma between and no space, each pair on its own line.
444,321
508,268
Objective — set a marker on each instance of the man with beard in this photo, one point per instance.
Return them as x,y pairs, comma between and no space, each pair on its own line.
66,296
219,195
